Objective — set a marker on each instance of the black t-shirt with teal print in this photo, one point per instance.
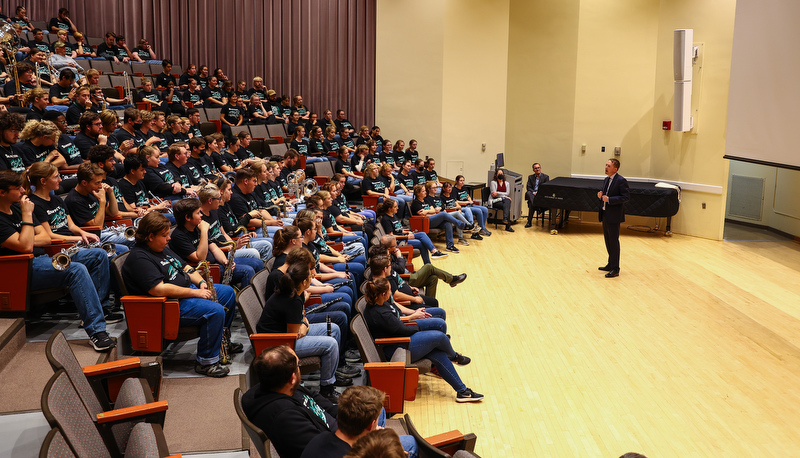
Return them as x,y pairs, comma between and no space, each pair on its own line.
241,204
144,269
407,180
232,160
10,159
68,149
215,93
417,205
448,201
462,194
231,113
316,147
54,212
391,225
144,54
179,173
11,224
301,147
32,153
134,194
418,176
194,98
374,184
214,227
117,193
322,246
82,208
431,175
184,242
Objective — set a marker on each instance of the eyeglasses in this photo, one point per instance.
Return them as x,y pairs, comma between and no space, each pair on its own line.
99,123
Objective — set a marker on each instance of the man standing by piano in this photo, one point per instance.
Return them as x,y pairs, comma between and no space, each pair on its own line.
612,212
534,180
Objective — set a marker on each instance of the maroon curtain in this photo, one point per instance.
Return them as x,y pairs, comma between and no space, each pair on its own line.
323,50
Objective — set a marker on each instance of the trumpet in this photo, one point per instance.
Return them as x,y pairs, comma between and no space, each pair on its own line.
63,259
159,201
128,231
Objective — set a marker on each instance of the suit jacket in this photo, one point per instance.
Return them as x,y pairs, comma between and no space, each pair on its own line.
543,178
617,194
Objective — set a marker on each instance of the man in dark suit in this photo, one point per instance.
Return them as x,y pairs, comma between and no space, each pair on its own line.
532,188
612,213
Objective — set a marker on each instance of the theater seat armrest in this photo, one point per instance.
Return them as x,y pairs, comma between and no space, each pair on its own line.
392,340
444,439
112,366
128,413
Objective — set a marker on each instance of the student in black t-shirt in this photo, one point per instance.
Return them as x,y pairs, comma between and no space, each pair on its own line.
194,95
258,88
257,112
10,126
109,50
178,155
430,174
148,94
127,135
212,95
313,121
62,92
190,241
231,115
80,103
243,202
87,275
199,161
437,218
153,269
61,22
38,100
411,153
315,145
163,78
189,73
343,166
171,100
25,74
294,123
39,140
133,190
341,120
157,179
103,157
91,200
65,146
419,171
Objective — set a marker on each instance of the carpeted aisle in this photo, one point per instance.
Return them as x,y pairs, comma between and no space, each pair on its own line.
201,416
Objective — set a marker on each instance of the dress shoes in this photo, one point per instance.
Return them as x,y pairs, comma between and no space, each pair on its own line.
605,268
613,273
528,224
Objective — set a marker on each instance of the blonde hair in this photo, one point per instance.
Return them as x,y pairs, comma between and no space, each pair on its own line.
33,94
40,129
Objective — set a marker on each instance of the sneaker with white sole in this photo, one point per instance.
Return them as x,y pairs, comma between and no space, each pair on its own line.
452,249
101,341
463,241
212,370
438,255
468,396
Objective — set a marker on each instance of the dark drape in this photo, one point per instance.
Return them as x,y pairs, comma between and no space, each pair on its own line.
323,50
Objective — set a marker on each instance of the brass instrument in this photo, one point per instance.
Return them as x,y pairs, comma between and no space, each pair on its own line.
228,275
159,200
127,231
63,259
37,79
243,230
204,268
127,87
8,36
309,188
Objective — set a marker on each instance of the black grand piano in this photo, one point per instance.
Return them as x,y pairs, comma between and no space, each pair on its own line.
563,195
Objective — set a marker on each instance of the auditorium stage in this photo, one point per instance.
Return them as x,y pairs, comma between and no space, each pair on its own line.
693,351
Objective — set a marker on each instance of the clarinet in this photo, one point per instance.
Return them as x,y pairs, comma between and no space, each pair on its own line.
323,306
344,283
328,322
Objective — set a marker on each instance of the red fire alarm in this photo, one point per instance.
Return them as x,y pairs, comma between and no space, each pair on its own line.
666,125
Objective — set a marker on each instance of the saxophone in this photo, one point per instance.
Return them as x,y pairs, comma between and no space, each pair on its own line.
205,271
228,275
243,230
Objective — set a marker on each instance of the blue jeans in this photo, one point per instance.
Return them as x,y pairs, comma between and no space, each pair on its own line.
423,243
445,221
409,444
212,317
343,302
460,217
353,181
107,235
338,318
477,212
369,214
87,278
264,247
317,343
244,270
435,346
355,268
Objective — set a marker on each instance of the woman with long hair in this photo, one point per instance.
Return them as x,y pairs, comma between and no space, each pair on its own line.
473,212
437,202
437,218
428,337
342,281
387,212
39,143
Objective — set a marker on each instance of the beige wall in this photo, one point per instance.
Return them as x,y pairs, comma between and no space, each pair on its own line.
442,71
595,72
781,207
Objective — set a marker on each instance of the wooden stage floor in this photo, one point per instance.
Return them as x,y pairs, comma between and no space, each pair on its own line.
692,351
